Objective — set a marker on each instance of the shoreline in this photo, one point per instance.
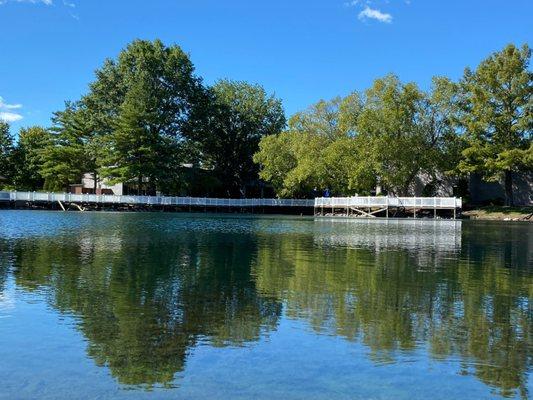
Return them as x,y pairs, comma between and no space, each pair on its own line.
489,213
500,213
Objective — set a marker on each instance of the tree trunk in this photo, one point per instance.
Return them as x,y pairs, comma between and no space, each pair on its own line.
95,177
509,201
139,184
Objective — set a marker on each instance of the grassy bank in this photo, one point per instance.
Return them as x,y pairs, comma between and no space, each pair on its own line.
500,213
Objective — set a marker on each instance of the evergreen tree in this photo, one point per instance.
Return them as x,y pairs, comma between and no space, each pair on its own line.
71,151
6,154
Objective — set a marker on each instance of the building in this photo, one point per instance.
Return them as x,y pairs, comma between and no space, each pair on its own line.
87,186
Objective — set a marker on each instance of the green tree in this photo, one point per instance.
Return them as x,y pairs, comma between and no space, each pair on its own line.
276,158
168,95
318,150
71,151
168,72
240,115
136,149
496,112
6,152
28,158
398,126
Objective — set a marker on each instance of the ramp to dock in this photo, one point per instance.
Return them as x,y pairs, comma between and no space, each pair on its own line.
39,197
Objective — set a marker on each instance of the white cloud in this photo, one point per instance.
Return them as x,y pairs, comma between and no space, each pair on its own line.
47,2
372,13
10,117
5,106
5,111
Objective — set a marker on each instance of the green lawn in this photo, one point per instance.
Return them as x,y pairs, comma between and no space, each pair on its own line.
501,213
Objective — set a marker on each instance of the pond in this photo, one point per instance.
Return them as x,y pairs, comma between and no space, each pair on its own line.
195,306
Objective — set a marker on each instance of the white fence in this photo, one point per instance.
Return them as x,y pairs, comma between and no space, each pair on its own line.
383,202
340,202
152,200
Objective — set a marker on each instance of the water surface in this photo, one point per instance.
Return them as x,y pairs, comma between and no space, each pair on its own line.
196,306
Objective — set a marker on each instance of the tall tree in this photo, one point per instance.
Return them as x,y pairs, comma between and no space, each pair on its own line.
136,150
391,127
317,152
28,158
240,115
71,151
496,112
6,152
148,96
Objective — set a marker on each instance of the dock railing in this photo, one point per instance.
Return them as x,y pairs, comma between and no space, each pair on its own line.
319,202
392,202
152,200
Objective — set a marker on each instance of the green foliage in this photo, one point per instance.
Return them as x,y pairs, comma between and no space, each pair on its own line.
71,149
496,112
166,71
349,145
239,116
137,150
141,104
147,115
28,157
6,154
316,152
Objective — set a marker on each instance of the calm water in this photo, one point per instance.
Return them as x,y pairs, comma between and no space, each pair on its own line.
110,305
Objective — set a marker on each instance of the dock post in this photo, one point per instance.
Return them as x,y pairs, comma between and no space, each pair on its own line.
387,209
454,209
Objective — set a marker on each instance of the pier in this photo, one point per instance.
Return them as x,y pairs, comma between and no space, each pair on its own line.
384,206
358,206
84,201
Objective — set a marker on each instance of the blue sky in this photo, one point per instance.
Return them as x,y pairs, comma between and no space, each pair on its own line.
303,50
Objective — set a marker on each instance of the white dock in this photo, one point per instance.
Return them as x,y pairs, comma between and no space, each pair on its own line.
372,206
80,199
358,206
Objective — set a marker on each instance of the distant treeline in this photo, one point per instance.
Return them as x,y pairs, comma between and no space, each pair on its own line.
148,120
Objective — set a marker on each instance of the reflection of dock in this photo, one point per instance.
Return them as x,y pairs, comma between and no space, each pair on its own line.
441,235
375,206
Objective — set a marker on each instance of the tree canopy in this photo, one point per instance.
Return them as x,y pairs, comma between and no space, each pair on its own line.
496,111
149,121
239,116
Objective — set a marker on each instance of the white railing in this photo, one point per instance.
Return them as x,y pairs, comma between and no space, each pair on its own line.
340,202
383,201
153,200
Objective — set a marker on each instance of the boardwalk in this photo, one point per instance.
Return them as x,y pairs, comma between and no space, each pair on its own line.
37,197
371,207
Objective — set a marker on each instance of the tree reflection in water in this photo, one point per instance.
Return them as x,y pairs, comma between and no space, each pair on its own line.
146,292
